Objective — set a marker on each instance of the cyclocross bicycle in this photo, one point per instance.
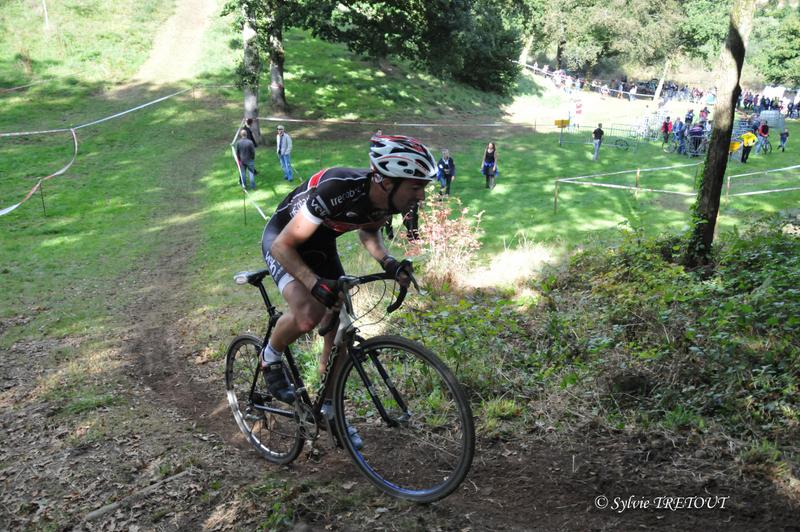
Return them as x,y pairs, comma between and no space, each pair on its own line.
411,414
766,146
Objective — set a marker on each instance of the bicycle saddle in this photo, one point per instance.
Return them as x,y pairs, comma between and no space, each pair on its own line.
253,278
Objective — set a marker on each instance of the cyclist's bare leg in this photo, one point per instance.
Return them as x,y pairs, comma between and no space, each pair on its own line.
304,314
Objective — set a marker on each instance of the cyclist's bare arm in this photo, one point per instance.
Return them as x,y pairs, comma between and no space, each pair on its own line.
373,242
284,249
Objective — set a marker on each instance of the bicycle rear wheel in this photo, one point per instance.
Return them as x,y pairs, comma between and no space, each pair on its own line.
622,144
421,447
270,426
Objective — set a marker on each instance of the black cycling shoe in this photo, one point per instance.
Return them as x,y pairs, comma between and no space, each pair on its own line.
276,381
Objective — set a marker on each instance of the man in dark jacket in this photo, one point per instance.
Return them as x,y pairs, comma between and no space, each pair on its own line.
248,127
246,153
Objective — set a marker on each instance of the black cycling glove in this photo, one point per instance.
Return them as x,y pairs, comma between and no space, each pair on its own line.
391,266
326,291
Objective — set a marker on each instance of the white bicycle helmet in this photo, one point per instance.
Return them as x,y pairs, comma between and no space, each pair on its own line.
398,156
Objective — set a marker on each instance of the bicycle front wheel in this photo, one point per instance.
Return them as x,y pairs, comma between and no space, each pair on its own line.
269,425
412,416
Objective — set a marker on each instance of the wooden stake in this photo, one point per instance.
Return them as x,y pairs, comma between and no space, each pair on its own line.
555,199
41,194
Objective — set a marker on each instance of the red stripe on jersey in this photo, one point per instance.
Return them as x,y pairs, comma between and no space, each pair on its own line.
314,181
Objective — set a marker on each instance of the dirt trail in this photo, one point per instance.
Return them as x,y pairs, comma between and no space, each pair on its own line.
177,45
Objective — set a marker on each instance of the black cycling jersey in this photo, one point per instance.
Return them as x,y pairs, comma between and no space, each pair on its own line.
337,199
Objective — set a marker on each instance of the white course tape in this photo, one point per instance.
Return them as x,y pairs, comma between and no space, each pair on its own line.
763,192
75,139
626,187
591,176
766,171
153,102
384,124
38,184
98,121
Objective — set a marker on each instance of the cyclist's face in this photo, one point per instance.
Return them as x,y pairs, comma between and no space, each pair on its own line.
409,192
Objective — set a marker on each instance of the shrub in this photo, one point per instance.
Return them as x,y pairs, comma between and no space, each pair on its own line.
446,245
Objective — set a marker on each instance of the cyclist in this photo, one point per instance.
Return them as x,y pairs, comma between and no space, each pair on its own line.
763,134
299,241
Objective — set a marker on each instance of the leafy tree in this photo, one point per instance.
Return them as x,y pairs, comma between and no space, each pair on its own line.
486,49
467,39
776,51
262,23
584,31
703,28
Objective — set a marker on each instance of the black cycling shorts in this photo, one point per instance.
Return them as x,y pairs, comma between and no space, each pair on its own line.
318,252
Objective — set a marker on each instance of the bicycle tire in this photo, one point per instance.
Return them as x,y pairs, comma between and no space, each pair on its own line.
767,146
426,456
669,146
276,436
622,144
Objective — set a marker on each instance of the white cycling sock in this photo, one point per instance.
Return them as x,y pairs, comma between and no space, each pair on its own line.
270,355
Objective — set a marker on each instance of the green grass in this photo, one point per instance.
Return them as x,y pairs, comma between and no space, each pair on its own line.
324,80
87,40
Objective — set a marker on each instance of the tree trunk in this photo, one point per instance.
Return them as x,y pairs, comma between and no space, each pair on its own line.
526,49
560,54
706,207
660,87
252,71
277,56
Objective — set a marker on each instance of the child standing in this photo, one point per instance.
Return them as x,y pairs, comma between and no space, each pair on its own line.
784,138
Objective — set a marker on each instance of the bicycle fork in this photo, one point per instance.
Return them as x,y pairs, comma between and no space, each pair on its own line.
355,355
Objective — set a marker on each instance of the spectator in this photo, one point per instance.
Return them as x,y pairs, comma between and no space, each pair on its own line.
489,166
597,139
704,114
666,129
247,127
284,147
748,140
411,221
246,153
679,130
784,138
689,118
632,92
696,134
763,133
447,171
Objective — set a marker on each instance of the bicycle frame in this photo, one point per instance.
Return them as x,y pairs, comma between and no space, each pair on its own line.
346,339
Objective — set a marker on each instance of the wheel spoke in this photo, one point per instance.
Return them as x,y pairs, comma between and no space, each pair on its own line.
426,456
275,435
